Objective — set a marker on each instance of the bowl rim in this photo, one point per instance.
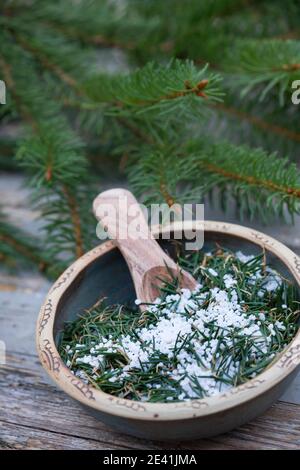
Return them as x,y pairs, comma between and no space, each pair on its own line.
284,364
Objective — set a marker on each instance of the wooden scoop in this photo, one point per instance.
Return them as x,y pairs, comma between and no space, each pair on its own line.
120,215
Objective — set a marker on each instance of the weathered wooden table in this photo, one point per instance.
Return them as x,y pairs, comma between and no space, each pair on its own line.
35,414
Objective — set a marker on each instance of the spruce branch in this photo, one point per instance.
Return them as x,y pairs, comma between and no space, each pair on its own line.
47,64
81,94
177,89
18,248
257,122
157,176
94,39
151,116
10,83
101,22
75,220
257,180
52,155
135,130
59,176
266,65
260,183
71,82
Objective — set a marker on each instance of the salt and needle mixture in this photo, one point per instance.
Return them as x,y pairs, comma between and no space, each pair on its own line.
188,344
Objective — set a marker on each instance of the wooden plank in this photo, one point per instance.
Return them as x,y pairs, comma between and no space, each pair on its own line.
32,406
26,399
20,301
292,394
18,437
278,428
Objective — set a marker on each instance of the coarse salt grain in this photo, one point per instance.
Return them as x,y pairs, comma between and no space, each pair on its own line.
244,258
213,272
229,281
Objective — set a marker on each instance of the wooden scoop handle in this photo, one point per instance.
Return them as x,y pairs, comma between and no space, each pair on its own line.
120,214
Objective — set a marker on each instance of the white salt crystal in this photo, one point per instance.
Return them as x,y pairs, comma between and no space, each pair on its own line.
213,272
280,325
244,258
229,281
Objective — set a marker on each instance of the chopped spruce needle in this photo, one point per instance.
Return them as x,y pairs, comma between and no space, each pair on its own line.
188,344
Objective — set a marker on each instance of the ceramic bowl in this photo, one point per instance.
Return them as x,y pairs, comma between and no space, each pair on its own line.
103,272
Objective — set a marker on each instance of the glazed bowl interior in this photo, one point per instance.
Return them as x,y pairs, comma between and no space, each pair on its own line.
108,276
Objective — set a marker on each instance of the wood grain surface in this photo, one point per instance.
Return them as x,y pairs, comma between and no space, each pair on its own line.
36,415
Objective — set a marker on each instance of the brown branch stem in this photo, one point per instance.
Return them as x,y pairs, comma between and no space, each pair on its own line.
8,79
46,62
188,90
94,39
75,221
270,185
166,195
136,131
28,117
290,67
258,122
25,251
